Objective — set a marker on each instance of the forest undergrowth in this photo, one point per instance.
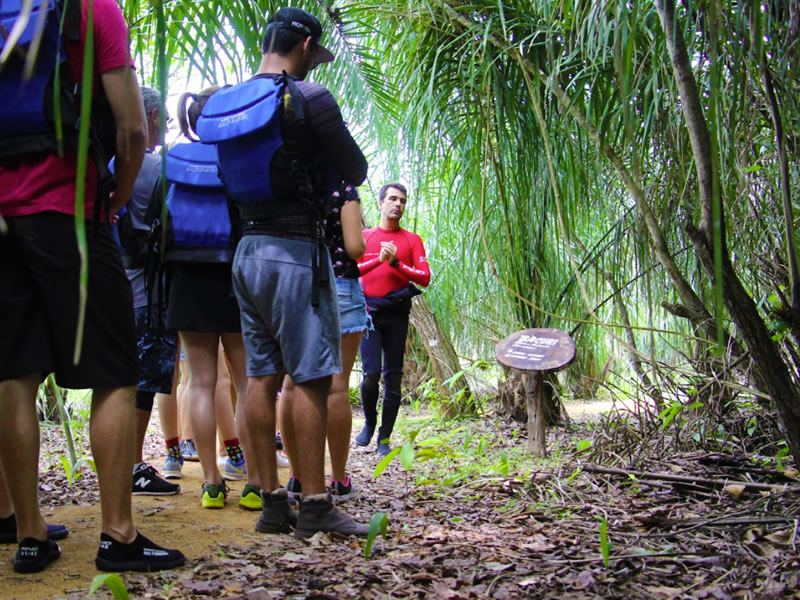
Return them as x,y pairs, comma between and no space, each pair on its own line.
620,509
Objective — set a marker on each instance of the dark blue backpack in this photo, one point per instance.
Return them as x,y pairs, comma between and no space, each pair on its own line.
37,103
199,225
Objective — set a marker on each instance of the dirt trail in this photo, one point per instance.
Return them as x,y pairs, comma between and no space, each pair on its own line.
176,521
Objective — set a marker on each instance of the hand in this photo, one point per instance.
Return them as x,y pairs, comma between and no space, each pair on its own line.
114,219
388,251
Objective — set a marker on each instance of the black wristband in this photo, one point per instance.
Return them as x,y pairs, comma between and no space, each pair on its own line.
394,262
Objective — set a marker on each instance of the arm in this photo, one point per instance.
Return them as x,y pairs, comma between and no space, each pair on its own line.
335,141
351,230
420,271
123,94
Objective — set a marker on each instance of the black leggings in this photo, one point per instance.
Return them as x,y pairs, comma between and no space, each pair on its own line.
389,338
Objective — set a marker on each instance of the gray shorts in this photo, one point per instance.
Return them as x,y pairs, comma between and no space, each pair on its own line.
282,331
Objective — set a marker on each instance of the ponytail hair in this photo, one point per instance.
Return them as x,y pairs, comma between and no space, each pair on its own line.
187,116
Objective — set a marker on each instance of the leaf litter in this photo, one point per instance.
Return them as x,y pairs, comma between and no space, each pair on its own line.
535,534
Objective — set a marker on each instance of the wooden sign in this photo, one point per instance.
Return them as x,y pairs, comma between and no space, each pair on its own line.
536,352
543,350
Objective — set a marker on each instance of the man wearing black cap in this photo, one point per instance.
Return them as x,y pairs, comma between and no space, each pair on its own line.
289,313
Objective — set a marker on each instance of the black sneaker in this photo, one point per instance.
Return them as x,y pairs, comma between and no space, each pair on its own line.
294,489
140,555
343,490
319,514
33,555
146,482
8,531
276,514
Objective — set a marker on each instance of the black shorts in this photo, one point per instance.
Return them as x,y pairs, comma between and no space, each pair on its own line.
39,302
201,298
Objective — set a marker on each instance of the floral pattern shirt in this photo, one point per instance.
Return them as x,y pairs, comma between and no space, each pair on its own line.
343,265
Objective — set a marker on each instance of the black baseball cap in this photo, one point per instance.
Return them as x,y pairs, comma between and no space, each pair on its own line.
299,21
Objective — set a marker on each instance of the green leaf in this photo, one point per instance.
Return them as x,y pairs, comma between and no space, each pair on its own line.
604,543
407,456
381,467
113,582
67,468
378,524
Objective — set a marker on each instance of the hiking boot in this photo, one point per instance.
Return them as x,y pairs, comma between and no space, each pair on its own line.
294,489
173,467
251,497
214,495
317,513
383,448
341,491
363,438
33,556
140,555
234,470
188,450
146,482
8,531
276,514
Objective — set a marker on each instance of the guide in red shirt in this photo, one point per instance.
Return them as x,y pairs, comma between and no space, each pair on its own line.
393,262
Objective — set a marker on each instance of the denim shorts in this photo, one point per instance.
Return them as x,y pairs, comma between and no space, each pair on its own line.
353,316
282,331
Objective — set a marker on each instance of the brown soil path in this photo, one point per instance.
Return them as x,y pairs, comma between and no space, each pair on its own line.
176,521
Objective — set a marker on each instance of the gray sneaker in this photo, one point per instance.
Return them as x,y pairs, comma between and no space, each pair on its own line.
319,514
276,514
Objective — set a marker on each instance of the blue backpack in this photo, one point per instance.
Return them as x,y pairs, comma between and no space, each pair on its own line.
33,99
244,122
199,224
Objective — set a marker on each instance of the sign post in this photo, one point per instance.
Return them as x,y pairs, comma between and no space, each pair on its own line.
536,352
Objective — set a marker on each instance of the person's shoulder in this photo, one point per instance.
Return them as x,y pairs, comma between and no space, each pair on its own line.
316,95
409,234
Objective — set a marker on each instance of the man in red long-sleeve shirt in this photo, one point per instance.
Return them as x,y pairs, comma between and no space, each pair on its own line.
393,261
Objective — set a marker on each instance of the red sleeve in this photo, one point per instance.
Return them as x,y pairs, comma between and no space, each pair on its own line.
110,35
419,272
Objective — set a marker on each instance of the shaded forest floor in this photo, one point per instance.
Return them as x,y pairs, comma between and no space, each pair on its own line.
474,517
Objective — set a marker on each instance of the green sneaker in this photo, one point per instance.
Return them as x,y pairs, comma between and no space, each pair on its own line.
251,497
214,495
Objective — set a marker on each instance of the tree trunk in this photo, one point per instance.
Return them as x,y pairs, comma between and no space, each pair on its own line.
771,374
443,358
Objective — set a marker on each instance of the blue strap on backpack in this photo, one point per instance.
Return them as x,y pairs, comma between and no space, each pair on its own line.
199,215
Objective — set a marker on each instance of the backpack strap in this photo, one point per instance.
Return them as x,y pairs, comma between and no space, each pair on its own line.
305,188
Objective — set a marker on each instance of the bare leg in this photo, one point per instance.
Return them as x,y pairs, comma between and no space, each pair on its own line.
168,414
142,421
6,506
168,406
184,403
19,454
223,403
113,434
257,408
237,362
201,358
310,416
340,415
286,420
